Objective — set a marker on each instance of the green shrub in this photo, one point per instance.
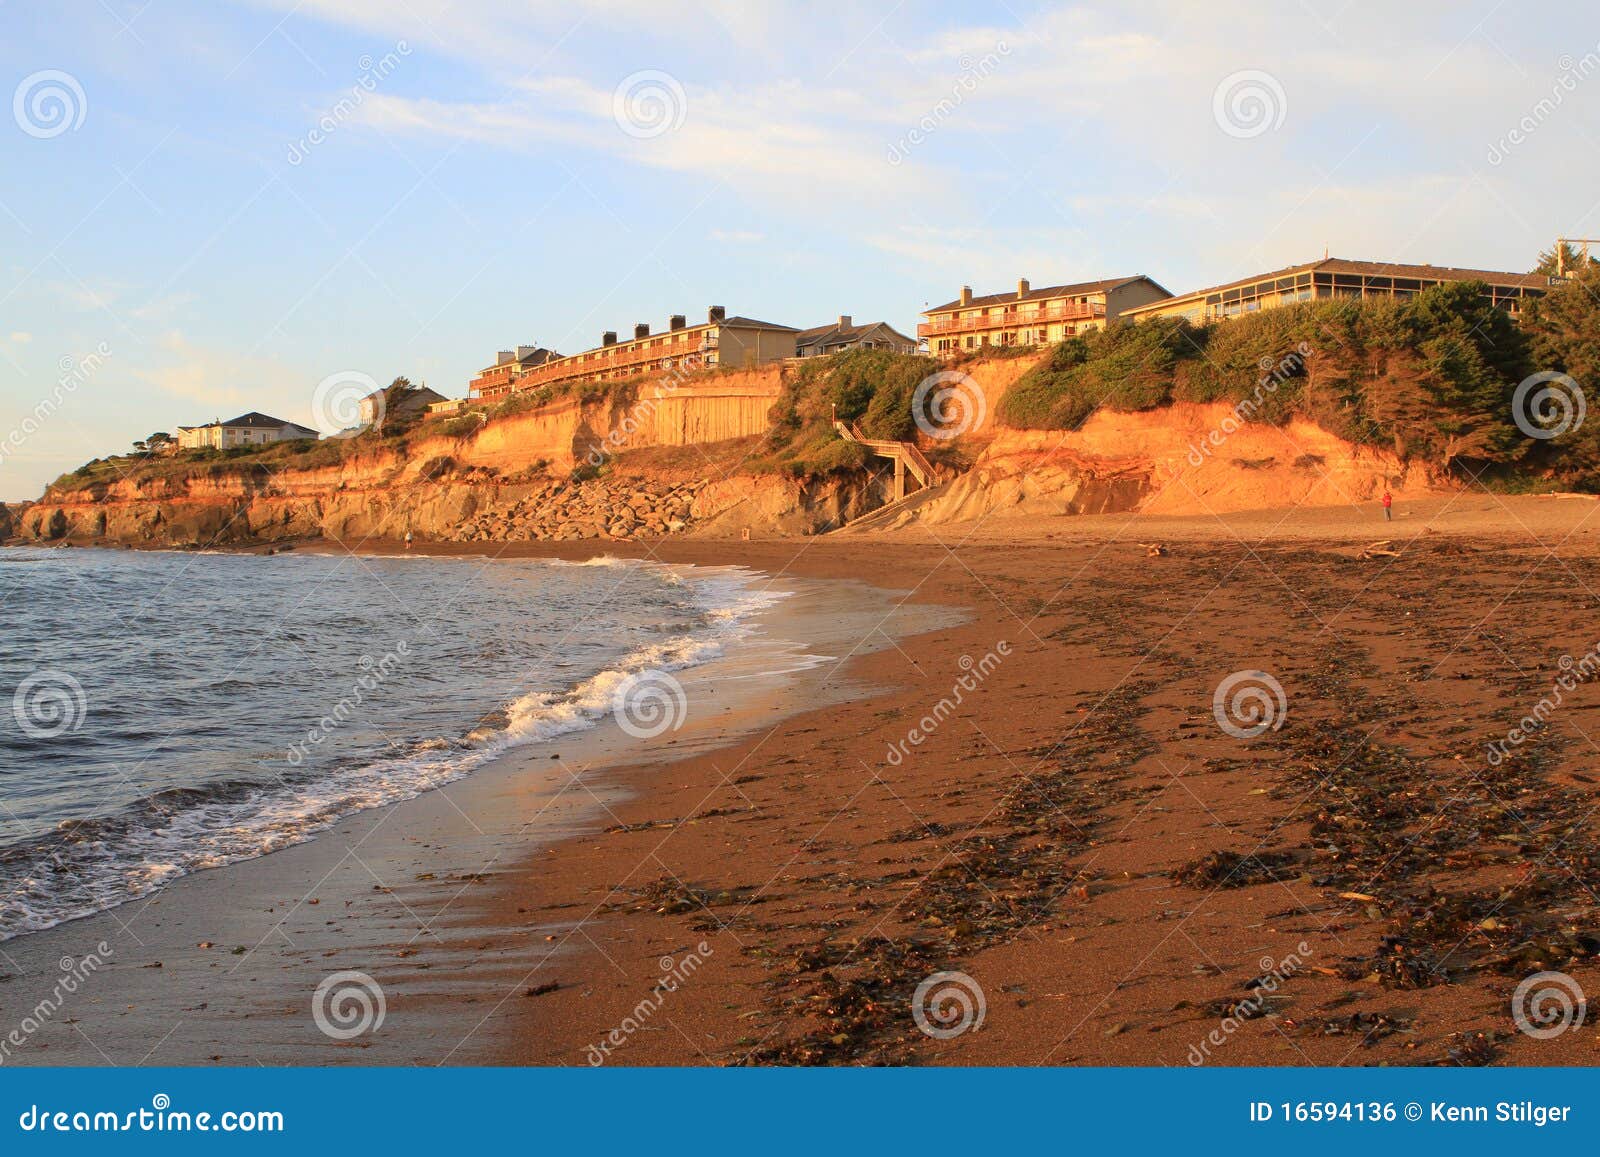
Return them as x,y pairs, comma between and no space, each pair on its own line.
1125,367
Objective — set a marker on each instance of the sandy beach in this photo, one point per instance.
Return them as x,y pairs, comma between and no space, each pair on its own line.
1007,768
1122,881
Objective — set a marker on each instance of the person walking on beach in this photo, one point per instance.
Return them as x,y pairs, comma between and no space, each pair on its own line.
408,533
1388,501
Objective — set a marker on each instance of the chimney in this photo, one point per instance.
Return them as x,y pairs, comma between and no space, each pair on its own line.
844,321
966,295
641,330
609,337
503,357
676,321
526,351
1022,288
716,313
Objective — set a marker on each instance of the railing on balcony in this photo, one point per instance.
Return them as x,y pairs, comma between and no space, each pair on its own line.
584,365
1012,319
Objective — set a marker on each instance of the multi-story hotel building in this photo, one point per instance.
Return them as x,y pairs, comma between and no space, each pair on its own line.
1032,316
509,366
720,340
1337,277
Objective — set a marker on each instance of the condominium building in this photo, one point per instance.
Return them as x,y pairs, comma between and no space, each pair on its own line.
509,365
1337,277
1032,316
720,340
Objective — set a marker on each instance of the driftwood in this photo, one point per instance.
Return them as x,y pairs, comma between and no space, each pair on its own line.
1153,549
1379,549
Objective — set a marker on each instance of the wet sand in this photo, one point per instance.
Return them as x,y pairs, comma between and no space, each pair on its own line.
222,966
1118,878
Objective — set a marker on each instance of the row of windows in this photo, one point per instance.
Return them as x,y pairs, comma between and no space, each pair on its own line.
1008,338
1014,309
1339,285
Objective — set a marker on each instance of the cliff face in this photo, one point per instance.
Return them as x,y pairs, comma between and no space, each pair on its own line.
447,502
514,478
510,478
1181,459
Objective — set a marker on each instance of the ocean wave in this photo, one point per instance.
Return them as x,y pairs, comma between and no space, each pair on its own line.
92,864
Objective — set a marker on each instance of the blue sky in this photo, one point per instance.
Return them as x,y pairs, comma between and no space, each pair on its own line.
478,185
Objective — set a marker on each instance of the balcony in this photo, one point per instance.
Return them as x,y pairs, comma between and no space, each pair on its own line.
1013,319
619,358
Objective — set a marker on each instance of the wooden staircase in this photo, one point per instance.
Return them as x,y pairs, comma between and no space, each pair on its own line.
907,457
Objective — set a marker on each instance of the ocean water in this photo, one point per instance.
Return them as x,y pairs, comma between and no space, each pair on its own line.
162,713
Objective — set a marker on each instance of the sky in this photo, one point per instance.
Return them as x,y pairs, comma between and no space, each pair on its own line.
210,208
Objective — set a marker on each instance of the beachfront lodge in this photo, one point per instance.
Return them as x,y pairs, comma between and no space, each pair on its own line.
252,429
720,340
509,367
1337,277
1032,316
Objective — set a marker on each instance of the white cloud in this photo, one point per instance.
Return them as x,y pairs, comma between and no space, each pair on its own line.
1091,138
213,377
776,140
736,236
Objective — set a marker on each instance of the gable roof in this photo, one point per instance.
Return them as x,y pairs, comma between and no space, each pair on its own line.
411,396
1367,269
1077,289
255,420
744,323
835,333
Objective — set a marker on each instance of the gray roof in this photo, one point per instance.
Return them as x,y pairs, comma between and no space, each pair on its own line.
1368,269
256,421
1079,289
835,333
745,323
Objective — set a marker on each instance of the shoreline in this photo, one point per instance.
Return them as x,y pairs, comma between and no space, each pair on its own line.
1073,835
1062,839
248,941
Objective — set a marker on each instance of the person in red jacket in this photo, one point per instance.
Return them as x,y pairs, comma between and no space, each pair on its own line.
1388,501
